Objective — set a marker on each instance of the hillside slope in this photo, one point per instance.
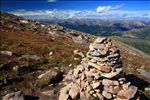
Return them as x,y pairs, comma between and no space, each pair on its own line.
34,48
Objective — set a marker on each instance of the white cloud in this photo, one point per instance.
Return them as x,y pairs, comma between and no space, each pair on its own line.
51,0
108,8
77,14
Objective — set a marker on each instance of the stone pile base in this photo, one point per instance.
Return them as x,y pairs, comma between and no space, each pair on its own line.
98,76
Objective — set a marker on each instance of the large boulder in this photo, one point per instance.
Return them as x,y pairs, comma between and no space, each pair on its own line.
49,77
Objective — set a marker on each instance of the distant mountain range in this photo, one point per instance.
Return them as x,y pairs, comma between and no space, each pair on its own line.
134,33
99,27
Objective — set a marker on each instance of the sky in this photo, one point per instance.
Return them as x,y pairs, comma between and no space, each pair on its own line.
65,9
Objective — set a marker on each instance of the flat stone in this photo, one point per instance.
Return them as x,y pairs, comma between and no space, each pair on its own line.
116,83
128,94
107,82
94,53
95,85
112,73
98,46
100,40
93,60
113,55
74,91
106,95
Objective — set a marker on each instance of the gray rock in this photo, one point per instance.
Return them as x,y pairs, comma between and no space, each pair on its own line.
84,64
89,78
9,53
49,77
144,72
31,57
48,92
94,53
79,39
98,46
113,55
14,96
100,40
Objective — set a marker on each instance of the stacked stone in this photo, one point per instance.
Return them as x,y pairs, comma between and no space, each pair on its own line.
98,76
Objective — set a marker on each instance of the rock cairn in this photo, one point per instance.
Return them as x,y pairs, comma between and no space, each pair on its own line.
98,76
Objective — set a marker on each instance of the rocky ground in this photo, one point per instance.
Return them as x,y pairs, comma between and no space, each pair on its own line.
35,59
99,76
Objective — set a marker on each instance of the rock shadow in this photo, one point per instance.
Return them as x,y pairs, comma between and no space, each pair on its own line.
138,82
28,97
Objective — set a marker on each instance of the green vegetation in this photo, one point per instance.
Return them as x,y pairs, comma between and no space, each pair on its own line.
143,33
44,81
141,44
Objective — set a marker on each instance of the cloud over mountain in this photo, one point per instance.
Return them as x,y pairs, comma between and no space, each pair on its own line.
108,8
105,13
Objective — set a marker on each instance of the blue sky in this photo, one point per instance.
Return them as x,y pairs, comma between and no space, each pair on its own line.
8,5
63,8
